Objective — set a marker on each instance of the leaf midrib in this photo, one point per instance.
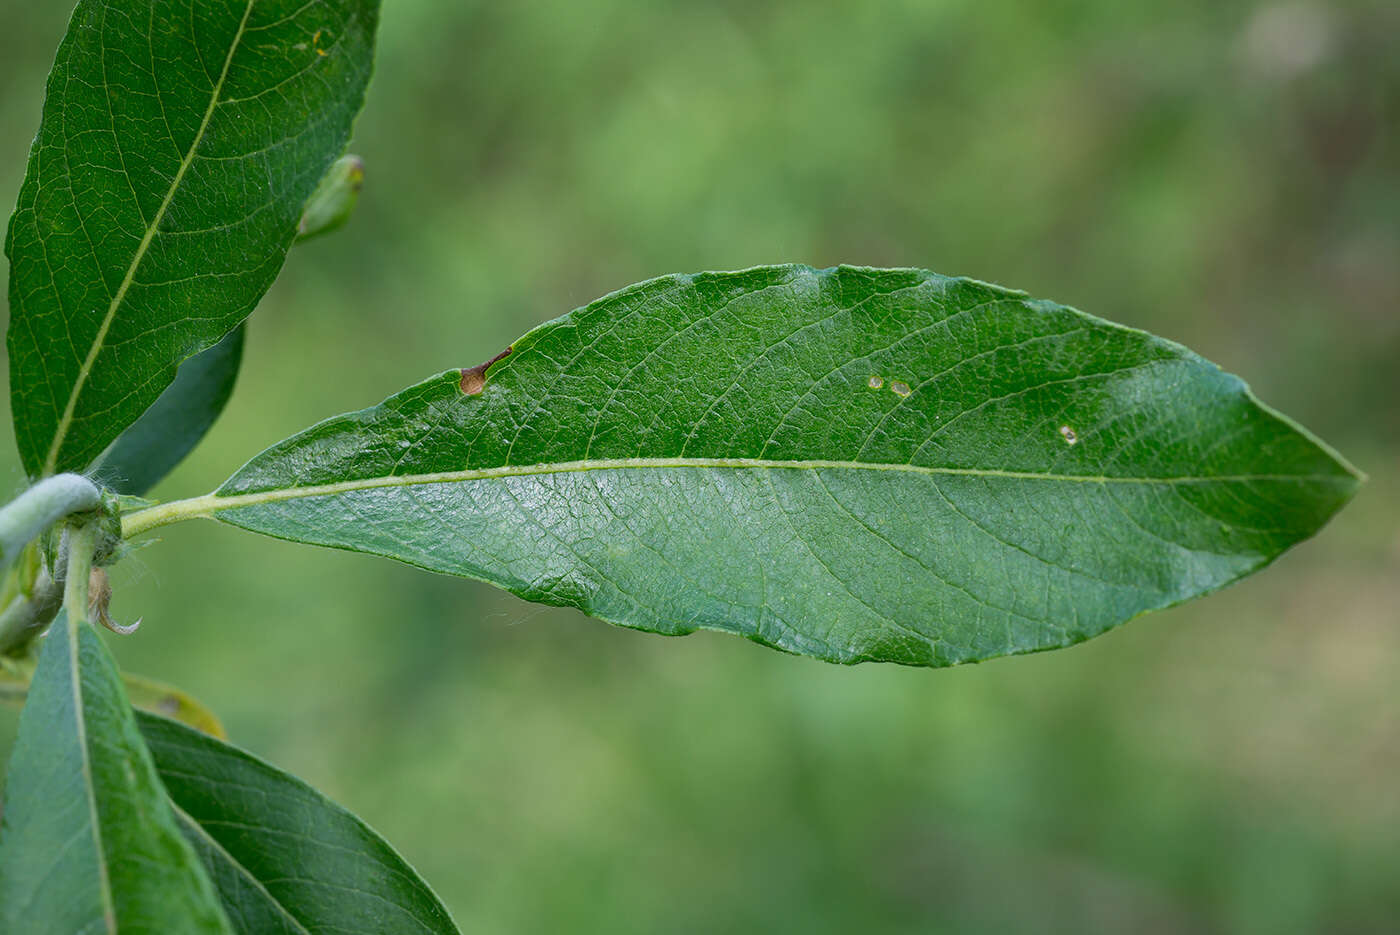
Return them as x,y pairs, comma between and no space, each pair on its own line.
75,601
104,881
189,821
66,420
206,506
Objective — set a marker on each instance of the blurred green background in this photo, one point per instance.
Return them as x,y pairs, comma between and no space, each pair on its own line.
1224,174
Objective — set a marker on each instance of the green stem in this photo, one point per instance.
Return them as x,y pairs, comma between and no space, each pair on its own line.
81,541
24,617
39,507
135,523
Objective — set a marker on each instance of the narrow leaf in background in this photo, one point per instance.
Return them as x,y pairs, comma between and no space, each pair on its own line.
149,694
175,423
89,841
853,464
168,701
178,144
284,857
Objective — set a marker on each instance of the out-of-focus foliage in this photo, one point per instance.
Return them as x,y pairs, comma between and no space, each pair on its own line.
1223,174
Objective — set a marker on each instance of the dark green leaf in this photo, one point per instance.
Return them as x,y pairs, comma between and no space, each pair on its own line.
284,857
854,464
178,144
89,841
175,423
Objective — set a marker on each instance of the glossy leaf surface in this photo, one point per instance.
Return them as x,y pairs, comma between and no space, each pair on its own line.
178,144
284,857
175,423
853,464
89,841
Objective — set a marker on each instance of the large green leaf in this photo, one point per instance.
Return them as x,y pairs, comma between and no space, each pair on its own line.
178,144
90,842
284,857
854,464
176,422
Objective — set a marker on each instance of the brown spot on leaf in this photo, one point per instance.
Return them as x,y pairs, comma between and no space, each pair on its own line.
474,378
